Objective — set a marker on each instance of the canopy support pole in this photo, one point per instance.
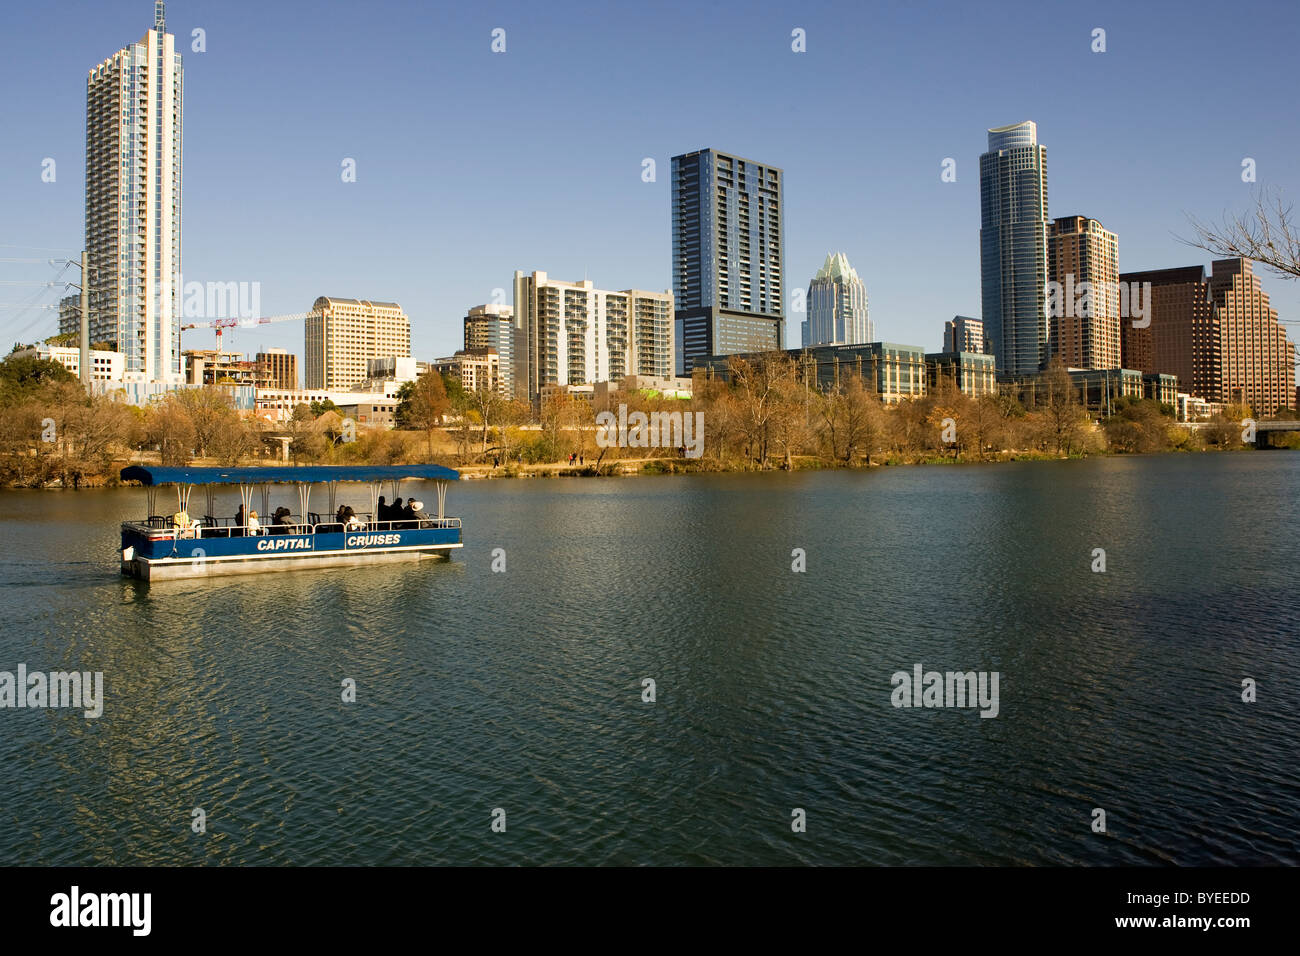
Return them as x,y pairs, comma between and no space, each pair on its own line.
304,497
442,498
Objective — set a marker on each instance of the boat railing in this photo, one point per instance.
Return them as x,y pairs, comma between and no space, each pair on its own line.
212,527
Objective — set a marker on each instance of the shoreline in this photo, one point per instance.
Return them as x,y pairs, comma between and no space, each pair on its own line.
651,467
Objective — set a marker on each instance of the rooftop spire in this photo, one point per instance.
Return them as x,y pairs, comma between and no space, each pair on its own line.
160,16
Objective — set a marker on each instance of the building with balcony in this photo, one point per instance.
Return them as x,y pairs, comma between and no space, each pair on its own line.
571,333
728,251
134,117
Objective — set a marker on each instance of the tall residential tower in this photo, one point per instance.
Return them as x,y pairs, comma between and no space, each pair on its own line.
1013,248
728,250
1083,300
133,203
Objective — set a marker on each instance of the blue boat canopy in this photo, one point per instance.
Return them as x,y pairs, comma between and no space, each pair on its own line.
286,475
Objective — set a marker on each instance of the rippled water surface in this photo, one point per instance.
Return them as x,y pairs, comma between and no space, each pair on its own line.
523,690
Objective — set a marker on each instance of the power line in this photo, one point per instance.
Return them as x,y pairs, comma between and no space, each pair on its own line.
13,245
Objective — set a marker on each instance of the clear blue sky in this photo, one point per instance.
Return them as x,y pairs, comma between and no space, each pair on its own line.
473,164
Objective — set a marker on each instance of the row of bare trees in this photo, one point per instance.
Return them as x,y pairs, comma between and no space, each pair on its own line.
762,414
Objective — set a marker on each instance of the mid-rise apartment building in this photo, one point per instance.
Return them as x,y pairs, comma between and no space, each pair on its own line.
571,333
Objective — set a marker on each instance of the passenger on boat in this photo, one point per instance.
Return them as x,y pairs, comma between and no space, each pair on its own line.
282,521
381,510
186,527
254,526
395,511
418,513
351,522
238,530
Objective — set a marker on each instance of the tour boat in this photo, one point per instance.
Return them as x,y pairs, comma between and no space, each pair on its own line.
162,546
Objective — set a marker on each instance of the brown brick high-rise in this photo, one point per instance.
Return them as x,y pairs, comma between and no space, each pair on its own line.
1260,358
1080,251
1184,335
1217,333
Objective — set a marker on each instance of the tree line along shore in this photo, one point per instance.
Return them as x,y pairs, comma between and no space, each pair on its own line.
763,416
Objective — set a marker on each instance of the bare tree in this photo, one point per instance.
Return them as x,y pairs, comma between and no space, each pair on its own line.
1268,233
759,389
1063,414
851,419
210,411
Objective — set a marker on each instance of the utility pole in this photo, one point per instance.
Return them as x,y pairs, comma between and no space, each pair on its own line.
85,324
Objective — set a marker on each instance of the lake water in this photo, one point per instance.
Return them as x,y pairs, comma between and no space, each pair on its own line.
522,690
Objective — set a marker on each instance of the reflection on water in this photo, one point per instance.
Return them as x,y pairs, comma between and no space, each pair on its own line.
522,690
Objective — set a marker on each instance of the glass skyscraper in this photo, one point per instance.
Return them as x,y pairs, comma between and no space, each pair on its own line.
837,306
1013,248
728,250
133,203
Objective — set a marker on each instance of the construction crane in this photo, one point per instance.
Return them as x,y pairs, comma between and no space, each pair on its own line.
220,325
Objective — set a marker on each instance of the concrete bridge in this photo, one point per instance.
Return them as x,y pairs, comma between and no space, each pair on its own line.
1264,429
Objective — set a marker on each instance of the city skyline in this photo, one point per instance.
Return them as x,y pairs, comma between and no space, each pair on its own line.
224,241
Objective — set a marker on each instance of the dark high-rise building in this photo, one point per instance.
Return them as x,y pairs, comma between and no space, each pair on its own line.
728,252
1181,333
1013,248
